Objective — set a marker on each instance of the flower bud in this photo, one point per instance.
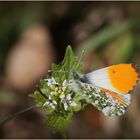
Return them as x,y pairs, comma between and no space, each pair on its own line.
52,87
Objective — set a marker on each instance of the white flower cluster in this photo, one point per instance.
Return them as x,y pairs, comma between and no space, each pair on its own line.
67,101
51,81
61,93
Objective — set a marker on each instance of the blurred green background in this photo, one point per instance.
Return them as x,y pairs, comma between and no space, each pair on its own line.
35,34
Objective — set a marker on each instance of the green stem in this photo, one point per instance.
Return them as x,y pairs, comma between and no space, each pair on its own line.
42,93
3,121
65,135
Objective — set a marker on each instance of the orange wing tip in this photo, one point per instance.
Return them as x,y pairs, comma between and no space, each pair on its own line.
124,77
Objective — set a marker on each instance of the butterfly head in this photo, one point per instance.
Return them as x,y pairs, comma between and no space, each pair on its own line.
81,78
76,76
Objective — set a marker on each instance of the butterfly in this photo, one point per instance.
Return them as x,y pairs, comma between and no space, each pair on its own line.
109,88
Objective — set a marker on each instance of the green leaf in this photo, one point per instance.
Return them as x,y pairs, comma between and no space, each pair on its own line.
59,123
44,87
69,63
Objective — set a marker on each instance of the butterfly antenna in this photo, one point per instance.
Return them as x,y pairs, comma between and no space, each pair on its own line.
49,71
82,53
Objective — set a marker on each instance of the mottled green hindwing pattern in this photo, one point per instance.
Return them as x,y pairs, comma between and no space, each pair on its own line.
101,100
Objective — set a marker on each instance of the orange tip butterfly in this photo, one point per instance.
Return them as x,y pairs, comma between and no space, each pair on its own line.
109,87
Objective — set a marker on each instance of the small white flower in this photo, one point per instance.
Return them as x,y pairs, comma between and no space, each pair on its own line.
46,103
65,106
68,97
73,104
51,81
63,101
51,103
54,102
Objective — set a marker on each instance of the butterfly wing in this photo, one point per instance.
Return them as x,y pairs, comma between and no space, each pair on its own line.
108,88
115,82
108,102
119,78
110,106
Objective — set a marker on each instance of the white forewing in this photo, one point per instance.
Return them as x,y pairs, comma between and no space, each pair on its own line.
100,78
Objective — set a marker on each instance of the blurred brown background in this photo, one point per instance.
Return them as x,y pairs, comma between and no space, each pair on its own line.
35,34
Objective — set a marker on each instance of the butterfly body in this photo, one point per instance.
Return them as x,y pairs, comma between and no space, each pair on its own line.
81,78
114,83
